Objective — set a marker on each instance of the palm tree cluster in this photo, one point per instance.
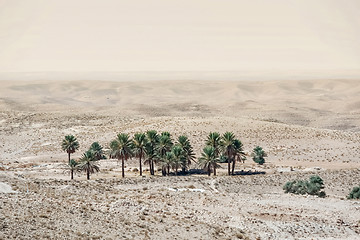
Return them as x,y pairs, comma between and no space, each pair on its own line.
221,148
88,161
152,148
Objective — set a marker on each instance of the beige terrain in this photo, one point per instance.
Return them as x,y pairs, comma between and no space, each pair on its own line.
306,127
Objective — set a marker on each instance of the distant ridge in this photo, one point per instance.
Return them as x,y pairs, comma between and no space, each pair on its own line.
181,75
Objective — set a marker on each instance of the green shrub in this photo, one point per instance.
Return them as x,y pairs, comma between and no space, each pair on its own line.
355,193
258,155
311,187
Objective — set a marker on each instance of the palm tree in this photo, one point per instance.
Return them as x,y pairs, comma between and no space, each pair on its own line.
88,163
121,148
214,141
70,145
150,156
150,148
164,145
166,162
97,149
139,143
238,154
259,155
71,167
188,153
209,159
178,157
228,147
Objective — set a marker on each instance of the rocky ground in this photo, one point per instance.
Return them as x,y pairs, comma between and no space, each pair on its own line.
179,207
301,137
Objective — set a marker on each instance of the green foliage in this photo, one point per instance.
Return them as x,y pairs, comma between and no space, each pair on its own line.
209,159
187,152
258,155
355,193
239,151
152,137
311,187
71,167
151,156
165,144
97,149
73,164
88,163
138,144
166,162
214,140
70,144
223,158
121,147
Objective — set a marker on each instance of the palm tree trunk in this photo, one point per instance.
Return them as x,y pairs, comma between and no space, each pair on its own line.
229,161
69,156
233,167
176,170
122,166
152,167
140,163
214,166
183,170
88,174
72,174
168,170
209,170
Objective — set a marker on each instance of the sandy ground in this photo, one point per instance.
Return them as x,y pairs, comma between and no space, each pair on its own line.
309,127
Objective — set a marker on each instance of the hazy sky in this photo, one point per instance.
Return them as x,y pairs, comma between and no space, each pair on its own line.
179,35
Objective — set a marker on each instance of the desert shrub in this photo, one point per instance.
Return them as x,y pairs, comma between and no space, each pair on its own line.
311,187
258,155
355,193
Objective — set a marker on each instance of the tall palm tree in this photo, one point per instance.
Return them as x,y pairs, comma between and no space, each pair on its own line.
214,140
164,145
121,148
88,163
98,151
188,152
139,143
70,145
209,159
150,148
238,154
228,147
178,157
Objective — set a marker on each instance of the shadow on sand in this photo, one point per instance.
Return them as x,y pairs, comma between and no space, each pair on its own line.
203,172
242,172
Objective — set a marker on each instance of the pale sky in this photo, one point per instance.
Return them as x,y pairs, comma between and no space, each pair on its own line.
179,35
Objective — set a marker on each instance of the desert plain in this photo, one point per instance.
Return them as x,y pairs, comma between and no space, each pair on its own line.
307,127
